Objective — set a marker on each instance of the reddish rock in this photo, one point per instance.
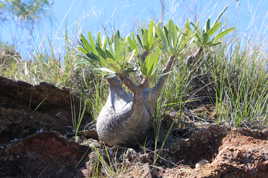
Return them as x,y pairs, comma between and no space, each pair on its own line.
42,155
26,109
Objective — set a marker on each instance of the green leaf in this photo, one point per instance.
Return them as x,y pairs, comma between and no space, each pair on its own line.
198,37
109,54
110,64
162,38
131,41
188,33
149,66
83,50
205,38
85,43
208,25
92,41
139,40
99,41
214,44
118,34
196,28
216,26
166,35
101,52
104,43
187,26
222,34
151,32
92,56
173,32
146,44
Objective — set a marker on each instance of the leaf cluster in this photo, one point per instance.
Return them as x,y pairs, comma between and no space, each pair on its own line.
142,51
210,36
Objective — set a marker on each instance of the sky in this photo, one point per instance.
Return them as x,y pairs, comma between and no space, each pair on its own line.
73,17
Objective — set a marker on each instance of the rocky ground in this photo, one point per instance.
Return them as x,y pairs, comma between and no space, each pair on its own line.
37,140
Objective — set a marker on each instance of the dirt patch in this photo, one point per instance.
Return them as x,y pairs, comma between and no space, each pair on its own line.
198,144
211,151
238,156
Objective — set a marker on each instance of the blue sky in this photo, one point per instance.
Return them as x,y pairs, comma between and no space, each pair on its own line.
250,17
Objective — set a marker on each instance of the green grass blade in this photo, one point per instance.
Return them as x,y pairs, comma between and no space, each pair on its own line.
221,13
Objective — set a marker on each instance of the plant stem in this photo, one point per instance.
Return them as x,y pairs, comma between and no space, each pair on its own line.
128,82
164,76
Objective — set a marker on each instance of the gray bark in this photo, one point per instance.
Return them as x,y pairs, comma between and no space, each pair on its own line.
126,117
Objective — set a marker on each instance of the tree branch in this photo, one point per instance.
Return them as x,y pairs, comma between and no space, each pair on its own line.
144,83
163,78
193,58
128,82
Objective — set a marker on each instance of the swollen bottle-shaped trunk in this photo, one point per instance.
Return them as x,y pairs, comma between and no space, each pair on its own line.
126,117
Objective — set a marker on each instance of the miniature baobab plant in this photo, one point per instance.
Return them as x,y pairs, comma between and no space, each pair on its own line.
132,65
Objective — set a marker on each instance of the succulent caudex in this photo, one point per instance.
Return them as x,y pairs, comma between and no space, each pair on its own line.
126,116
